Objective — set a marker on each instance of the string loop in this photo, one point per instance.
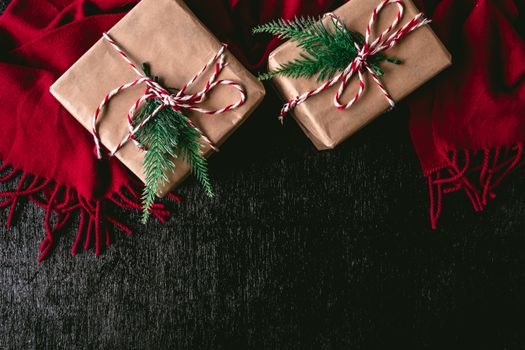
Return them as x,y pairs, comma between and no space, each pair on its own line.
359,65
177,101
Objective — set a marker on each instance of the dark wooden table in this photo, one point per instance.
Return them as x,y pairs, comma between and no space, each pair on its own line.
299,250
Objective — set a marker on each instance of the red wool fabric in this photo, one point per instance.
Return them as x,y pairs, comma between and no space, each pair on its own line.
475,107
468,125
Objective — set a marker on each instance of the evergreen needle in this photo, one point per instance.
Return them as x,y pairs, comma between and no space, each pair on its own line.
327,51
166,137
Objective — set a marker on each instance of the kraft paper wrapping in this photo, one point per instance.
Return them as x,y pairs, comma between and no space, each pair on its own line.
166,35
423,56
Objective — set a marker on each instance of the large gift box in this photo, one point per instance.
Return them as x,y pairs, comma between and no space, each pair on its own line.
421,53
167,36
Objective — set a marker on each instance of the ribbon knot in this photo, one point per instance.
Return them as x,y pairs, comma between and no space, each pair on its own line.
169,98
386,40
362,55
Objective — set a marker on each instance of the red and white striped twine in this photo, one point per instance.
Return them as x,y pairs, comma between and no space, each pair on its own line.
384,41
177,101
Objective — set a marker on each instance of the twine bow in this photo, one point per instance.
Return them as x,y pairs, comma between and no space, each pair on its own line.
177,101
384,41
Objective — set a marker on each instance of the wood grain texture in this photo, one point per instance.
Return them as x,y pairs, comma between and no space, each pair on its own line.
299,250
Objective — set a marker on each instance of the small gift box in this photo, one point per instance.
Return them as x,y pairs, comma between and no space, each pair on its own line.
331,109
209,85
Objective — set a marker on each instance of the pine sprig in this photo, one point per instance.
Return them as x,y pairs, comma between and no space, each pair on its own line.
190,149
165,138
303,30
327,51
159,137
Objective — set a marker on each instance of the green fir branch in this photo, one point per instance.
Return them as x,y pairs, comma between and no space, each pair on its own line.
190,148
327,51
165,138
159,137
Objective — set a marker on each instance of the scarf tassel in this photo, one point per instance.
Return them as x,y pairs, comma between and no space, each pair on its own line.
96,226
478,174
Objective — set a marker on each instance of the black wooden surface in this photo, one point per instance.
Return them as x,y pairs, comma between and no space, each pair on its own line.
299,250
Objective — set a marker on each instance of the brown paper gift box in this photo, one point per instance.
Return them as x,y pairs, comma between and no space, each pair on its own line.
423,56
166,35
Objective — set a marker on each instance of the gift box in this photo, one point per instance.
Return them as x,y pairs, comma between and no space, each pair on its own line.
167,36
421,53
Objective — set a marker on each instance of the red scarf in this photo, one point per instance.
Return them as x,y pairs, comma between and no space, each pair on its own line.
476,106
468,126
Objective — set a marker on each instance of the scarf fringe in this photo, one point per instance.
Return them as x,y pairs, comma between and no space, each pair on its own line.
476,173
62,203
